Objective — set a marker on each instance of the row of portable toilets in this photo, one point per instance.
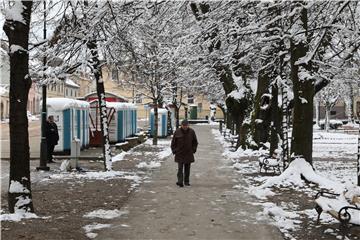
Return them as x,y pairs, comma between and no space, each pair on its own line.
73,121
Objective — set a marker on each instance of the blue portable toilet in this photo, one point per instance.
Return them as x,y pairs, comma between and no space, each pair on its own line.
162,122
71,117
122,122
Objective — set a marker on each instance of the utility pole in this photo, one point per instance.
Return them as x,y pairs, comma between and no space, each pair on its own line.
43,145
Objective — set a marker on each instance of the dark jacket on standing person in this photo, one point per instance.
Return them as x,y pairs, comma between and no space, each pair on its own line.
52,135
184,145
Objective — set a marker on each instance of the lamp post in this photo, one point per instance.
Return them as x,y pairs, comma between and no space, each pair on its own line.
43,145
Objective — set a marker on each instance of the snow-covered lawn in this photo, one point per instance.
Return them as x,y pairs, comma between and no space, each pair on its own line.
335,171
334,145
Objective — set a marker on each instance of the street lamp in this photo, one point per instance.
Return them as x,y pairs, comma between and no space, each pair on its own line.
43,145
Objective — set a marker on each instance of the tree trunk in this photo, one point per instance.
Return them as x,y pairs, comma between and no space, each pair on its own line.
100,89
177,116
351,104
302,134
275,119
156,122
223,110
317,112
228,120
20,83
327,116
260,121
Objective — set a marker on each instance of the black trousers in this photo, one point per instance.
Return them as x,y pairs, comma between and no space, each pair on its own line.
50,151
183,170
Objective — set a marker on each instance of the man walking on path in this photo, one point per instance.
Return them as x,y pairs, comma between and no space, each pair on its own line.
52,137
184,145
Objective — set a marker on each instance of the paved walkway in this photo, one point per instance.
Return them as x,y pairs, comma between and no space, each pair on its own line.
209,209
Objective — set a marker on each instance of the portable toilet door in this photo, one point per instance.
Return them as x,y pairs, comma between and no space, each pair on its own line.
164,124
132,122
87,137
61,109
112,125
120,124
58,118
67,119
87,128
135,121
127,122
78,123
83,129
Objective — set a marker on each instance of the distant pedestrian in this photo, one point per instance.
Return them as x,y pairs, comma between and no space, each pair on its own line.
52,137
184,145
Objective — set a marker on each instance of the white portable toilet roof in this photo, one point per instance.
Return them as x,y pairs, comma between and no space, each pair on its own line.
120,105
59,104
160,110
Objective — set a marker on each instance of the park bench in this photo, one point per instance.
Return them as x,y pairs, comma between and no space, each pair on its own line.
344,207
267,162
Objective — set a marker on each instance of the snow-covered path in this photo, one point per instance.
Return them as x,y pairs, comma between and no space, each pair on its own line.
209,209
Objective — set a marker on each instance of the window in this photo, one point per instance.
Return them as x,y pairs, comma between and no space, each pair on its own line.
66,92
114,75
71,92
199,107
190,99
332,112
138,98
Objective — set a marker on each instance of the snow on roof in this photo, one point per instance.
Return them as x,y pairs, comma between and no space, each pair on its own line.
71,83
120,105
160,110
59,104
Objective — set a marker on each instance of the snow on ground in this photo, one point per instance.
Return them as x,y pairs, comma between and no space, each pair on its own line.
120,156
18,216
105,214
150,165
334,145
99,175
160,142
164,153
95,226
332,173
285,220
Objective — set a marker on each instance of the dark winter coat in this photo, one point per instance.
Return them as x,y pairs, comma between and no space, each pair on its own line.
52,135
184,145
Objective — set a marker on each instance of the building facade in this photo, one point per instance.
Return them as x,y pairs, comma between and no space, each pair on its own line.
116,81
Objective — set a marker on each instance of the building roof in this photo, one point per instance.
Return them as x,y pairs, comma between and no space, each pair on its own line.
71,83
107,94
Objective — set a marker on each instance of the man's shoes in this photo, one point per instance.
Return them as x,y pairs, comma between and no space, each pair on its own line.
187,184
180,184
